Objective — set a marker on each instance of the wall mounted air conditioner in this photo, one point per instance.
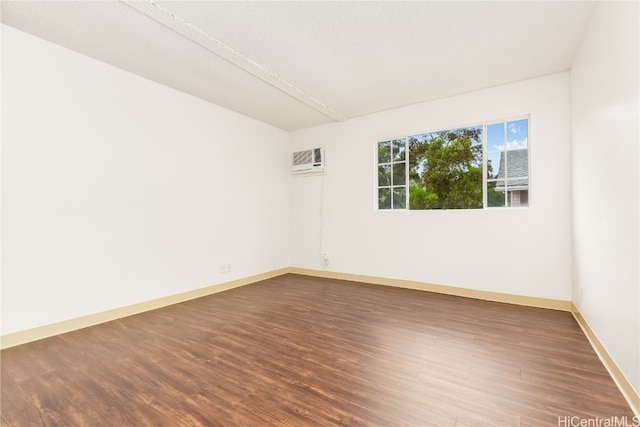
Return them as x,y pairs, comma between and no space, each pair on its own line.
308,161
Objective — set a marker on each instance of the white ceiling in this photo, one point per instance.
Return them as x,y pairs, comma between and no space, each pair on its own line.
299,64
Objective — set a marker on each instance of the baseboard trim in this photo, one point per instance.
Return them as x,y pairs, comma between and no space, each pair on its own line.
630,394
441,289
29,335
624,385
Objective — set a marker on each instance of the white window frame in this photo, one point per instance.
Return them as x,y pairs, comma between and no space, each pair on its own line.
485,158
485,180
391,163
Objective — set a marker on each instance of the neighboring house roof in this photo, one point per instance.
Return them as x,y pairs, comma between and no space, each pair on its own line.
517,167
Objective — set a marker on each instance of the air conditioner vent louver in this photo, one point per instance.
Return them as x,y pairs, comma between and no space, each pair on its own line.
308,161
302,157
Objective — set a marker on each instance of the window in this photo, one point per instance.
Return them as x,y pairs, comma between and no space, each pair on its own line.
508,163
392,174
445,169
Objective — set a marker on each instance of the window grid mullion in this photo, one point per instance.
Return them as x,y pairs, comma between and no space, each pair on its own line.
506,167
406,173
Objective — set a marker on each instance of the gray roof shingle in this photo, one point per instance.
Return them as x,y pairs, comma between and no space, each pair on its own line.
517,166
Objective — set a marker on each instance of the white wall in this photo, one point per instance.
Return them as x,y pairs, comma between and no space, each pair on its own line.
519,251
605,122
117,190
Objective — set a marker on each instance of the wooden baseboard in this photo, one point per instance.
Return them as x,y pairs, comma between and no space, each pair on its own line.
632,396
441,289
29,335
627,390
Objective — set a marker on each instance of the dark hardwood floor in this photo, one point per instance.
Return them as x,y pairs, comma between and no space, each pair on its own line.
302,351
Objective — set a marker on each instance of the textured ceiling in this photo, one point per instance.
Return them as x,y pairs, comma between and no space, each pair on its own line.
300,64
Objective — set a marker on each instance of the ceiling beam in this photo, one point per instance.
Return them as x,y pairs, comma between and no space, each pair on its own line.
194,33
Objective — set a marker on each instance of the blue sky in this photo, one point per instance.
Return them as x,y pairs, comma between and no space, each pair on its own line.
516,135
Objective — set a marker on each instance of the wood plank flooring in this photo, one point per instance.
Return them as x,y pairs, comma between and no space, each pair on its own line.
301,351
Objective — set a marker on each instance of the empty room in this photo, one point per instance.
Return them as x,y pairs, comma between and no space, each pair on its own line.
316,213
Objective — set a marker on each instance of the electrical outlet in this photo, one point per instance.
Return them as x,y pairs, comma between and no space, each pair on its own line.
222,269
228,268
325,261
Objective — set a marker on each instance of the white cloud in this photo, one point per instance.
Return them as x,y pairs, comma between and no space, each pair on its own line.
511,145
